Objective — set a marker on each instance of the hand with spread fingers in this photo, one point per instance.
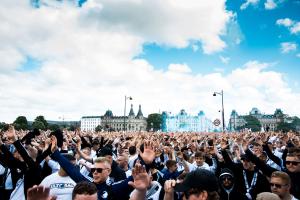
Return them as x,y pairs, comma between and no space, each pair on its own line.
40,193
149,154
141,179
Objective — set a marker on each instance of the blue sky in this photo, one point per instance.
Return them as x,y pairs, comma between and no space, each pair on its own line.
82,60
261,39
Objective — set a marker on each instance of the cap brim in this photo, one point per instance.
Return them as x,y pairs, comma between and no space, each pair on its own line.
181,187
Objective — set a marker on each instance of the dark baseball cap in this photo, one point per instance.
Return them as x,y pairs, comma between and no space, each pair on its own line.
245,157
200,179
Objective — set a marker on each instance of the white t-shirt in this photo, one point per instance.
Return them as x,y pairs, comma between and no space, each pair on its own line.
18,192
60,186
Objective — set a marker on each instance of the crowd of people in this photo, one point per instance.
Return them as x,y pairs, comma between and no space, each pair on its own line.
78,165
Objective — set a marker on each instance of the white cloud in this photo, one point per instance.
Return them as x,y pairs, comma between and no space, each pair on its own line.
254,64
179,68
220,70
224,60
248,3
87,61
298,55
296,28
173,22
293,26
284,22
270,5
287,47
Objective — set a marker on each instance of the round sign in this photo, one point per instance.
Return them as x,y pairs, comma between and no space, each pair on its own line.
217,122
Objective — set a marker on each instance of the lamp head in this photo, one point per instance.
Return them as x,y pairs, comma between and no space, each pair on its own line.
214,94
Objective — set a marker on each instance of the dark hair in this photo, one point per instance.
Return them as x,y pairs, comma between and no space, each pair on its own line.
170,163
142,148
132,150
199,154
84,187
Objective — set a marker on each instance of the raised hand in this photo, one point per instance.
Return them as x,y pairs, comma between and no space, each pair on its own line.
141,179
169,186
40,193
53,143
11,133
149,154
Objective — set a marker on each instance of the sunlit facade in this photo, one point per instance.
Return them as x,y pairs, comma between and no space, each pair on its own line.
182,122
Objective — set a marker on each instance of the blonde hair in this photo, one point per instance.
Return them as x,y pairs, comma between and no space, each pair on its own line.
102,160
284,176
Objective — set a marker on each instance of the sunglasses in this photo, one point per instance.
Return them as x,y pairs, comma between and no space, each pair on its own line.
295,163
277,185
98,170
229,178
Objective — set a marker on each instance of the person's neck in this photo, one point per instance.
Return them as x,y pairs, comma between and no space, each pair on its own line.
62,173
287,196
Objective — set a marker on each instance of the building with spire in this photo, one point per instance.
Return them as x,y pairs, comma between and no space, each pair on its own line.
131,122
108,121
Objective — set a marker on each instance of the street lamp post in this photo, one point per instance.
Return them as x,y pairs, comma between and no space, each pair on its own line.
129,98
223,120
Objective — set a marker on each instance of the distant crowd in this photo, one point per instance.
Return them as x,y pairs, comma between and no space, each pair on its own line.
78,165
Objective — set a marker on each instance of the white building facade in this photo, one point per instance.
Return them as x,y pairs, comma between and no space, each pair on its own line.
89,123
187,123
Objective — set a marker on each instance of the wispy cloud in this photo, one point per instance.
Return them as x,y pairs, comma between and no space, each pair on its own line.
293,26
287,47
254,64
219,70
248,3
270,5
224,60
287,22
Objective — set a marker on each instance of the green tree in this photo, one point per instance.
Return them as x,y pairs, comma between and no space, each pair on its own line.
21,123
71,128
4,126
154,121
53,127
39,125
252,123
296,123
98,128
285,127
40,120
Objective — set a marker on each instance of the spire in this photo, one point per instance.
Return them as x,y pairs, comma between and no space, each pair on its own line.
140,114
131,112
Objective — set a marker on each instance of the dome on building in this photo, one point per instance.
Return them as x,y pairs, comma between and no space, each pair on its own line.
233,113
182,112
201,113
278,112
255,111
108,113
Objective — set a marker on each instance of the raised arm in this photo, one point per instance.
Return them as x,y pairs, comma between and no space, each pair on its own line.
71,170
141,181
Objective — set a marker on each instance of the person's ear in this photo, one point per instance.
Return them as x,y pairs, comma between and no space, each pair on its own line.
203,195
